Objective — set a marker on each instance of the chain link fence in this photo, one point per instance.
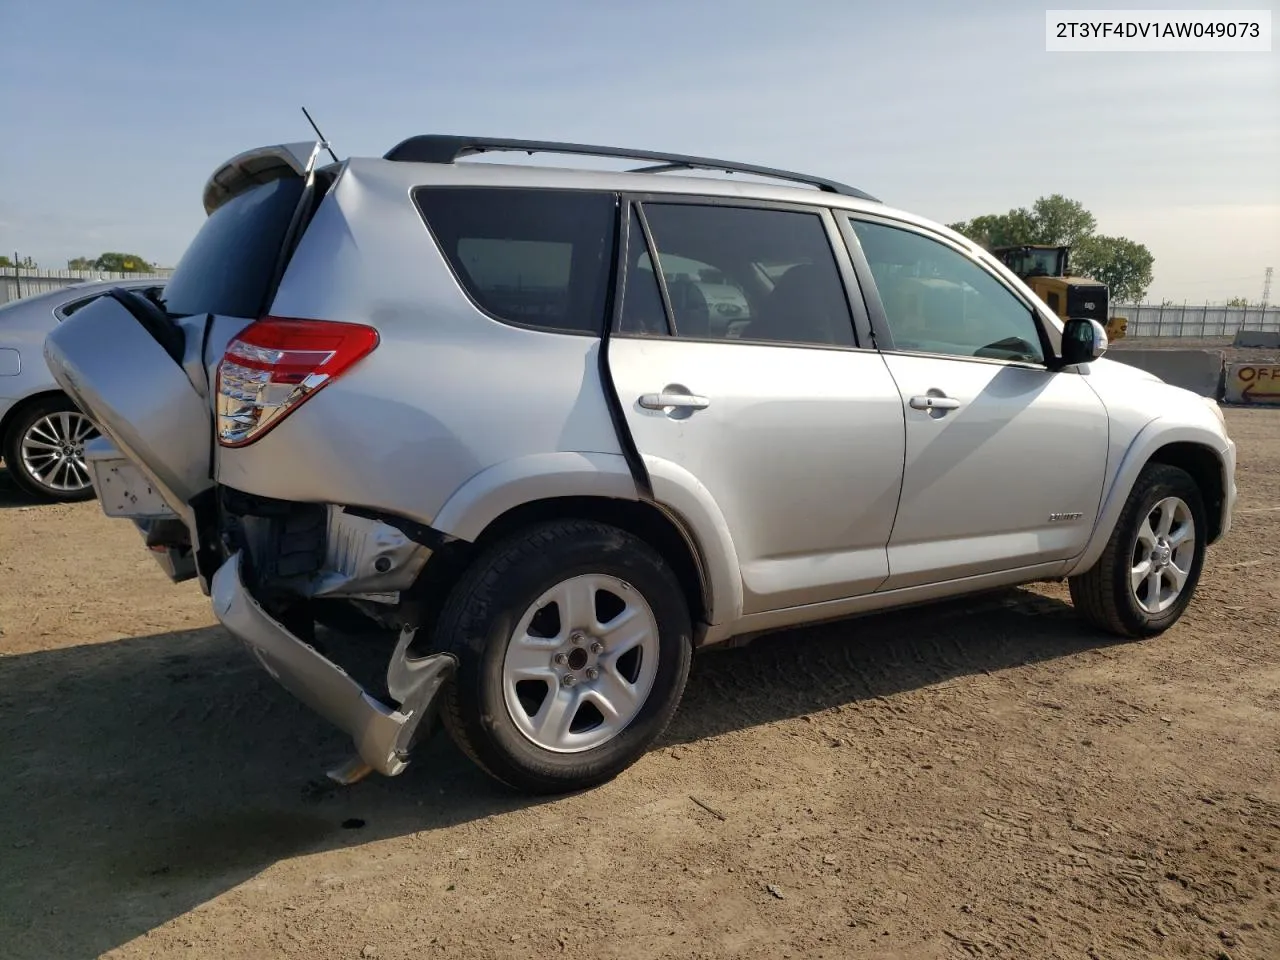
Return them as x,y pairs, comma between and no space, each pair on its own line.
1202,322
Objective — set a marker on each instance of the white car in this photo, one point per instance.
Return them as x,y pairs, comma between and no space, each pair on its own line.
42,433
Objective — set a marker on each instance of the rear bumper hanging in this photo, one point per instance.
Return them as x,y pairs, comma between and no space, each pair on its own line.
383,734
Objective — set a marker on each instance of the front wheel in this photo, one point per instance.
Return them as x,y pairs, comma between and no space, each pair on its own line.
573,641
1149,569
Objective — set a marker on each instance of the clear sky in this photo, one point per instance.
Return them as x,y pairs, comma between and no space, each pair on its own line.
113,115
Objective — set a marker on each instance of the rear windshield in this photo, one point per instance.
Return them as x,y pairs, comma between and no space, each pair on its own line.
539,258
230,263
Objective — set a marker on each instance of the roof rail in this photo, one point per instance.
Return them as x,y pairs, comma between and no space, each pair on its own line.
443,148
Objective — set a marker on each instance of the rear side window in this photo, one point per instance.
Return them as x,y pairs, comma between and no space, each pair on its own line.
739,273
230,264
75,305
538,258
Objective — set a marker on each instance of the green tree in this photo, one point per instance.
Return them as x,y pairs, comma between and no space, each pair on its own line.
1060,221
1237,302
1054,219
5,262
999,229
122,263
1123,265
24,262
80,263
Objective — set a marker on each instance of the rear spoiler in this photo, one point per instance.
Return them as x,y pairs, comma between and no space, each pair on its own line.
257,166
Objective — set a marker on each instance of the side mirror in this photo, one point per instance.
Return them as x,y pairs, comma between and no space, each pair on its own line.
1082,340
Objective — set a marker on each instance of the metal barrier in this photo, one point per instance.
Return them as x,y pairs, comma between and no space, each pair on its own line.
1199,371
19,282
1206,321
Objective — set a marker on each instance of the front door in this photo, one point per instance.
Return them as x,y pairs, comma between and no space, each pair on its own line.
1005,458
736,367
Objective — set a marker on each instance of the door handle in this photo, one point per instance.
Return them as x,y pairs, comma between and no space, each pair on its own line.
660,401
934,403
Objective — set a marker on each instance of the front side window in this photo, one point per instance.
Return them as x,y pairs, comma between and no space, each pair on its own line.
538,258
936,300
738,273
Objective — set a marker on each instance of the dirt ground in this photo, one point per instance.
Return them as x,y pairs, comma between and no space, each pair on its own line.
985,778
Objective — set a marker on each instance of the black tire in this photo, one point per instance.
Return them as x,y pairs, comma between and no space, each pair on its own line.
485,608
1102,595
12,451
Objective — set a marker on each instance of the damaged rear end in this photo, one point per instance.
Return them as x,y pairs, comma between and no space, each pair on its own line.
173,384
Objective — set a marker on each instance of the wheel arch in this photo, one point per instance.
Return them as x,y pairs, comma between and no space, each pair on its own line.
682,520
505,486
1206,469
22,404
1198,450
655,526
642,519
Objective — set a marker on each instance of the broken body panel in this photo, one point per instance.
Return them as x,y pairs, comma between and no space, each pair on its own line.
157,462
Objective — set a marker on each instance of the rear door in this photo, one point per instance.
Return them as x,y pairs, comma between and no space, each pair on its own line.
736,362
258,203
141,369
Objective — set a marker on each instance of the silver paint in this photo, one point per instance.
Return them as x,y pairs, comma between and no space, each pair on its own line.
812,483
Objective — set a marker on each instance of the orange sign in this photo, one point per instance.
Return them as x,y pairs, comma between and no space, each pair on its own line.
1253,383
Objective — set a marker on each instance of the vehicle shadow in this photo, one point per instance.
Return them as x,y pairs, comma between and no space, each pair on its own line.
810,669
146,776
10,495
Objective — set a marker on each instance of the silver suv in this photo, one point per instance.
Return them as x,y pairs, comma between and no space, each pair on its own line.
553,429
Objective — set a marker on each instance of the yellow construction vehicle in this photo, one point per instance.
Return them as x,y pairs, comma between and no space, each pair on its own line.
1044,269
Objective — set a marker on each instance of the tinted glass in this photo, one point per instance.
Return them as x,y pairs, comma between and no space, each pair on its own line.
155,293
229,266
535,257
642,310
72,307
750,274
938,301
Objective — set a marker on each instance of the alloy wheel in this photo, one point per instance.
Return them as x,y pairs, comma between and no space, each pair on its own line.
580,664
52,451
1163,553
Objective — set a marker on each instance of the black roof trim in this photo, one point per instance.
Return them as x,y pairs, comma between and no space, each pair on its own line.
443,148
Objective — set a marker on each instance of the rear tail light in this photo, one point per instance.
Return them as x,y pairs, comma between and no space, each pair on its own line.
275,364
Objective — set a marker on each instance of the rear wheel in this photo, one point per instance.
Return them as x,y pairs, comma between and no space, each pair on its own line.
1148,572
573,641
44,450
